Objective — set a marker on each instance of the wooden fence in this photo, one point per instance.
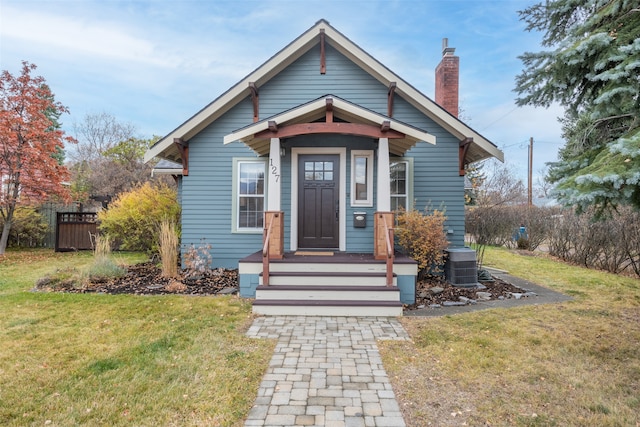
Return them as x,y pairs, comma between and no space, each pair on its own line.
75,231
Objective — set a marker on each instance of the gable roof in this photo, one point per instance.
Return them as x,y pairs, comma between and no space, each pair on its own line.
479,149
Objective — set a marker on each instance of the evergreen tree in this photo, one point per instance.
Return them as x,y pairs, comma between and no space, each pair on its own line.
592,68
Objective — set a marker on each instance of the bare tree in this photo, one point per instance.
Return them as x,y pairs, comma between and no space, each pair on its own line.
98,133
109,158
500,186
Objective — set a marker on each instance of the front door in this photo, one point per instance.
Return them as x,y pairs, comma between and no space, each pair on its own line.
319,201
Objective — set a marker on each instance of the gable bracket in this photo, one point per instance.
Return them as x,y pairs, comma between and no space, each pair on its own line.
392,90
323,62
183,148
273,126
255,100
462,153
329,114
385,126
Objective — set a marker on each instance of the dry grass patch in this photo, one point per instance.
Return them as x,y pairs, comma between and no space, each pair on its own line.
570,364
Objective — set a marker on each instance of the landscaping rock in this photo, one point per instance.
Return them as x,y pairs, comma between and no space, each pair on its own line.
453,304
436,290
483,296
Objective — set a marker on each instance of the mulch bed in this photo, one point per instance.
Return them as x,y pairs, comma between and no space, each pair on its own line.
146,279
499,289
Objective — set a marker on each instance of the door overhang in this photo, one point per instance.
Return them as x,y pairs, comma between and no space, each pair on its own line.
318,117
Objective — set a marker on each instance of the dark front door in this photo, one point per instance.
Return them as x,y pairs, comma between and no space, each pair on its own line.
318,198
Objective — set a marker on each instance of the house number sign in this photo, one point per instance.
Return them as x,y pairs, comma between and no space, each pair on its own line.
274,171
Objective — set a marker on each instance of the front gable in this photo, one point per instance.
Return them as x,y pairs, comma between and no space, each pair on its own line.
313,52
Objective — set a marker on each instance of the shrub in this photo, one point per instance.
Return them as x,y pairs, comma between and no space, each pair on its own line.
104,267
28,228
134,218
197,260
611,244
498,225
423,238
168,243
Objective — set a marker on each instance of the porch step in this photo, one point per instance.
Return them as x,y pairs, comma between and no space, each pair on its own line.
310,293
298,278
289,307
324,267
345,284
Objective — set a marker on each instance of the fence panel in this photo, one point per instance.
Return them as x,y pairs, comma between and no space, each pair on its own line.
74,231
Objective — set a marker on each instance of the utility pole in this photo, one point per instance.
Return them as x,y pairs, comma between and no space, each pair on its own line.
530,192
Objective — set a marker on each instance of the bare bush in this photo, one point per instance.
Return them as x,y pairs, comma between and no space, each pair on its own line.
611,244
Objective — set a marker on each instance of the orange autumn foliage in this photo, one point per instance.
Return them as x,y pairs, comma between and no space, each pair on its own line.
29,142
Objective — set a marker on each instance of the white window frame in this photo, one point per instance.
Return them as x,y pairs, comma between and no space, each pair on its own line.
368,155
408,161
235,210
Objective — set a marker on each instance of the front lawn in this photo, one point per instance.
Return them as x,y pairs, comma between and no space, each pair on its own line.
569,364
87,359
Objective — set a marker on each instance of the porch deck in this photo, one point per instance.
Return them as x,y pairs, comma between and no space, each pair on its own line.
306,256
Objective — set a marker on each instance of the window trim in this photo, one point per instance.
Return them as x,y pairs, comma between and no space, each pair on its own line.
367,154
235,186
409,184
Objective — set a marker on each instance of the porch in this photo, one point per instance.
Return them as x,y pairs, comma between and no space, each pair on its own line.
328,283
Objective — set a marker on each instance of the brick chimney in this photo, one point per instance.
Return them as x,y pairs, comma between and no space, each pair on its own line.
447,73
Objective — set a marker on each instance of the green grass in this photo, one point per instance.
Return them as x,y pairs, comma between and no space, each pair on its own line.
570,364
86,359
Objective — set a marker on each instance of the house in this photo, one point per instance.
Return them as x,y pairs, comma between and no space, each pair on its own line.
294,173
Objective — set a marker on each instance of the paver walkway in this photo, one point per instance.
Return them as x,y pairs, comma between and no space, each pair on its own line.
326,371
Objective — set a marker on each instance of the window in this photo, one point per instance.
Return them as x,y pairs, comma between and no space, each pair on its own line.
249,191
361,178
318,171
399,171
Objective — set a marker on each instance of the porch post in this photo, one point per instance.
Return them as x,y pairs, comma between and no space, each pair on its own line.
384,184
383,218
274,172
273,238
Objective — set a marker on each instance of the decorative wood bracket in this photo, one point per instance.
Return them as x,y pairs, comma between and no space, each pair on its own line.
385,126
390,93
183,148
462,153
329,113
323,62
273,126
256,101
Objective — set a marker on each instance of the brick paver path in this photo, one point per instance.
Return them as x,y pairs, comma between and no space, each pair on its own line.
326,371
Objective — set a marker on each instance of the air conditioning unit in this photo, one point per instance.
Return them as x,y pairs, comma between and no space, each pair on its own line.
460,268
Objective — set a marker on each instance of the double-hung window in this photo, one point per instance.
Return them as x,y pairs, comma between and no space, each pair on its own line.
249,192
400,172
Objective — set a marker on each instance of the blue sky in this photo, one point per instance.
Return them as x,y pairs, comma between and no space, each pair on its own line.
156,63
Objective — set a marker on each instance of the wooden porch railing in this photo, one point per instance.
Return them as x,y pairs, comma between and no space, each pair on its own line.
388,232
265,249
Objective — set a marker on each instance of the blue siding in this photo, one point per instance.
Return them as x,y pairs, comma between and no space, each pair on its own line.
206,193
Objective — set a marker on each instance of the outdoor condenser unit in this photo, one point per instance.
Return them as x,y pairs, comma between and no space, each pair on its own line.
460,268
